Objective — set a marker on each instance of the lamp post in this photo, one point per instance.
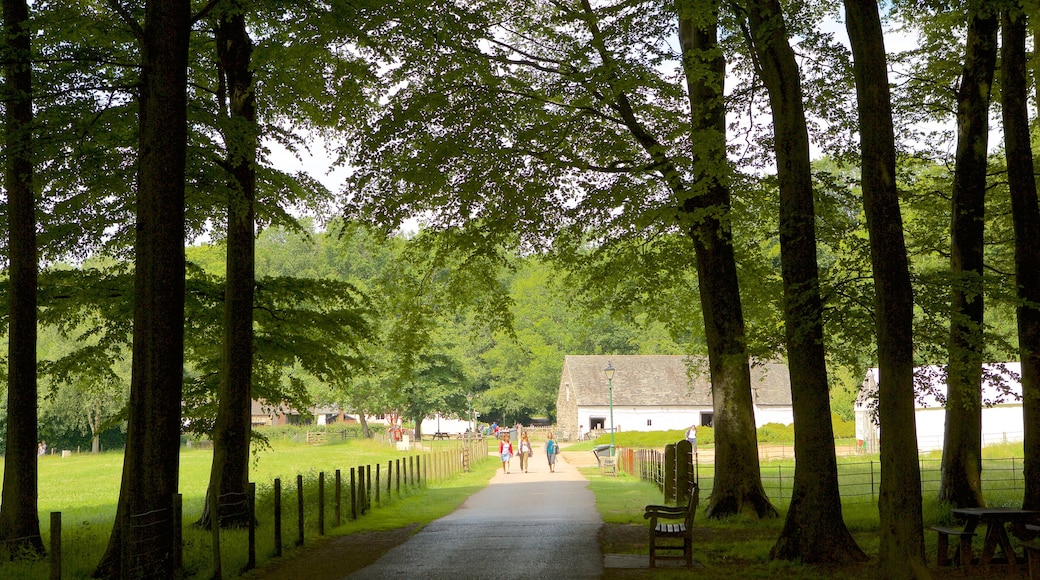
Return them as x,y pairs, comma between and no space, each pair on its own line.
472,427
609,371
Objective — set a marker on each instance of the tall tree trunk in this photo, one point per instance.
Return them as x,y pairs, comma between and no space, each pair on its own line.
737,486
19,513
814,529
366,432
961,480
230,470
1026,217
151,464
901,554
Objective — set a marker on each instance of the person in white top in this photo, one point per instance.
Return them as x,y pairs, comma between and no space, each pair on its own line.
691,436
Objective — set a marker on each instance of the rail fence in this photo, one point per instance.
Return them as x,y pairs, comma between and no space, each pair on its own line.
355,493
858,481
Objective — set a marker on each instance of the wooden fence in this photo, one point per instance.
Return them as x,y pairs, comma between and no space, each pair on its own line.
368,488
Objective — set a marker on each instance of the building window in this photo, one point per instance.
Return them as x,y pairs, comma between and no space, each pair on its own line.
648,421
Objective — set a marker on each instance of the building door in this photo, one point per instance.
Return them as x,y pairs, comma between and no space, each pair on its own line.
707,419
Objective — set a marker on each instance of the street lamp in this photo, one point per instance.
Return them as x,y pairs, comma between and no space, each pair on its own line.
609,371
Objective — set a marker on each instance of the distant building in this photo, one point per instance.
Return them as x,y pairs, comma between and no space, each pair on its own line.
265,415
1001,412
657,393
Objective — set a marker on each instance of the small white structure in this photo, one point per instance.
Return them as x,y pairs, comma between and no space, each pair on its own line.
657,393
442,424
1001,406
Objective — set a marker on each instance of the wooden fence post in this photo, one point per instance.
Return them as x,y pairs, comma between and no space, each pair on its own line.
368,487
379,503
299,509
278,517
669,472
339,484
353,493
361,489
321,503
55,545
398,478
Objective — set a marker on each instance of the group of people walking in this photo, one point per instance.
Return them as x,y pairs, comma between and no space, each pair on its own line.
524,450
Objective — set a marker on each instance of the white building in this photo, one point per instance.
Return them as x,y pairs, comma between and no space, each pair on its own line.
1001,412
656,393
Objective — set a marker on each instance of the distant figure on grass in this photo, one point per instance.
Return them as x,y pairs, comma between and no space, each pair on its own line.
525,451
41,449
551,449
505,450
691,436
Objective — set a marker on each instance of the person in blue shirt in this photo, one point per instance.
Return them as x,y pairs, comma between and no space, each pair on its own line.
551,449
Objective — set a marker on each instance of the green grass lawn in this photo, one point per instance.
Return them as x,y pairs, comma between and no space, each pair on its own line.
85,489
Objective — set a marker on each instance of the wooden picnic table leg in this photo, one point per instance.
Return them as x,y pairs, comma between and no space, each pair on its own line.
989,546
1005,544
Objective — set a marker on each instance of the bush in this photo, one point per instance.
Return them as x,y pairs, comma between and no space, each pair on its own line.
843,429
776,433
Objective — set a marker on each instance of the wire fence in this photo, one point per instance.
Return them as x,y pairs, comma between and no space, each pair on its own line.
858,481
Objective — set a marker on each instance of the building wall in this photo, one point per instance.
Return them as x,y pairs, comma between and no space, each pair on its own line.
567,419
1000,424
781,415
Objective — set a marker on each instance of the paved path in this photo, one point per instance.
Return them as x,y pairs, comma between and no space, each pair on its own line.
522,525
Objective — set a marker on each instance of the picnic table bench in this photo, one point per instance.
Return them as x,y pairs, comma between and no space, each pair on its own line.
962,556
441,435
668,531
996,536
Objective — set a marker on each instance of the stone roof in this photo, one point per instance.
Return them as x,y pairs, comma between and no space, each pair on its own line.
657,380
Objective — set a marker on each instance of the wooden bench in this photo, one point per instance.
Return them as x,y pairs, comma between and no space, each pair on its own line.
672,531
1032,550
963,554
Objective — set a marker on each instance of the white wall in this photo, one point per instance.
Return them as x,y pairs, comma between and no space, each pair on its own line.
668,418
781,415
1000,424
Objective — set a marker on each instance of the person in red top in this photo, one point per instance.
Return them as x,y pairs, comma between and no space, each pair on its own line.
505,450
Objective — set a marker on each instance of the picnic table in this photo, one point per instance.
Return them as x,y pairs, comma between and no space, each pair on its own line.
996,519
441,435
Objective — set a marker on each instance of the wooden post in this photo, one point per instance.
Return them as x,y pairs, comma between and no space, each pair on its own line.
378,503
368,487
299,508
339,485
214,526
683,460
321,503
669,473
361,489
398,478
55,545
251,499
178,535
353,493
278,517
